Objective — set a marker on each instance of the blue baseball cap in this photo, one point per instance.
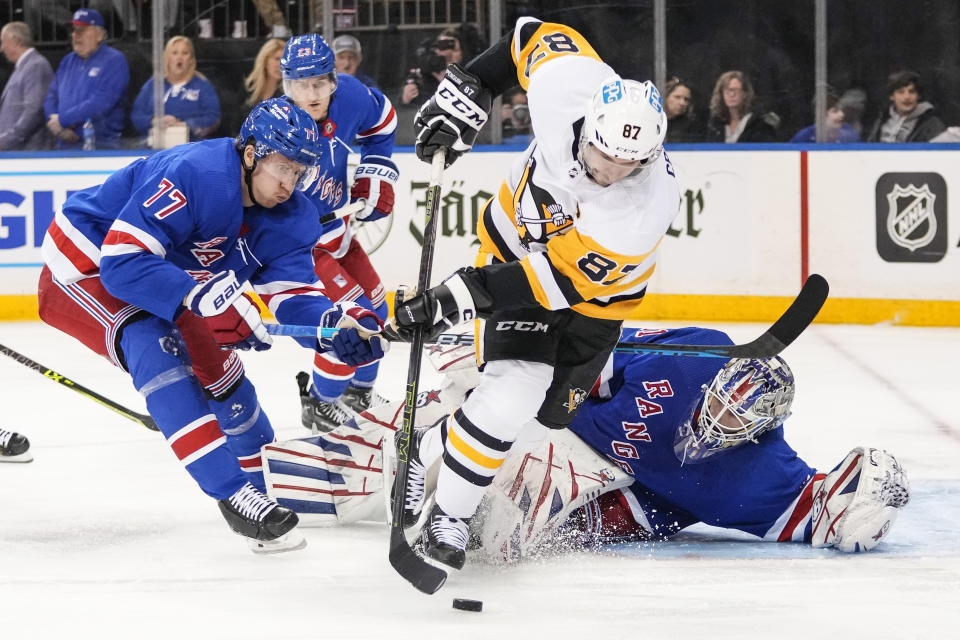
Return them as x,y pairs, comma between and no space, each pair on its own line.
84,17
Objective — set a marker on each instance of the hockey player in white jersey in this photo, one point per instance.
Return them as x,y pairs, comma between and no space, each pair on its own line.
568,246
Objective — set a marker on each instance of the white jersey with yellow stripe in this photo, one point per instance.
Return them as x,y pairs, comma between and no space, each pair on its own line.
581,245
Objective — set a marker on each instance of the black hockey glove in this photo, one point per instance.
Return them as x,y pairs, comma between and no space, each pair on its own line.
455,301
453,116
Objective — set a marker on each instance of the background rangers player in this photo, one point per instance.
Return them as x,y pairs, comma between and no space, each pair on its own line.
661,443
568,246
346,112
146,270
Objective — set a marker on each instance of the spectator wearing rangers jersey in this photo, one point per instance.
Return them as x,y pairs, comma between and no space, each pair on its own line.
347,113
147,271
188,97
568,246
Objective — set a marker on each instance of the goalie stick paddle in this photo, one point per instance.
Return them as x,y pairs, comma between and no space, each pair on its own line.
785,330
49,373
417,571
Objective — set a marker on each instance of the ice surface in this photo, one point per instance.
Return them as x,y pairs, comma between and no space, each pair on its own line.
105,536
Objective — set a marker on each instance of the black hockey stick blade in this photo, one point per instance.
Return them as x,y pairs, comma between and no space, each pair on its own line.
785,330
415,570
421,574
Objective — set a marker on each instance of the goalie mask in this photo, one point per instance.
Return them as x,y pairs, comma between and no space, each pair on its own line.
744,400
623,130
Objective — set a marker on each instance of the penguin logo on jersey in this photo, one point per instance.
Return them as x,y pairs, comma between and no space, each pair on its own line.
537,215
577,396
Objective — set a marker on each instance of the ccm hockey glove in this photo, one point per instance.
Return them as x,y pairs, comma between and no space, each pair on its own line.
232,318
441,307
453,116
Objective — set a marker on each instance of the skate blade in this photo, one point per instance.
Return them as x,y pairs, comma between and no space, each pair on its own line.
26,456
292,541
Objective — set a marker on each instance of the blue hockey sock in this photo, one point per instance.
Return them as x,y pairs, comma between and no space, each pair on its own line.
157,360
247,429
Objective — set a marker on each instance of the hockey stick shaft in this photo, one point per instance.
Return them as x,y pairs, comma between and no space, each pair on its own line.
422,575
344,211
49,373
785,330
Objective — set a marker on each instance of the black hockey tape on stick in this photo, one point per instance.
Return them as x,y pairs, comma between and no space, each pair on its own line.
49,373
785,330
417,571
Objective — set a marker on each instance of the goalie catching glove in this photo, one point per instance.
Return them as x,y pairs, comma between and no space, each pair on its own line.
453,116
455,301
358,340
232,318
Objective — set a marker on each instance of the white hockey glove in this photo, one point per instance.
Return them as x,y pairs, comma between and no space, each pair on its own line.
857,518
232,318
373,181
453,116
455,301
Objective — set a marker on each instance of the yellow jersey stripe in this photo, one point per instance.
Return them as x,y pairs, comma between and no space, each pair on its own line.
549,42
472,454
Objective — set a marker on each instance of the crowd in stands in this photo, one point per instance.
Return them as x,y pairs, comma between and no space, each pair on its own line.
84,105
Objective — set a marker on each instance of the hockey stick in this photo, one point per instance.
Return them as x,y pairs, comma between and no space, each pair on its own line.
417,571
145,420
785,330
344,211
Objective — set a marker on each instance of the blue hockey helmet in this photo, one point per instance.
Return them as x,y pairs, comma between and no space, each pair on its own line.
307,56
744,400
279,126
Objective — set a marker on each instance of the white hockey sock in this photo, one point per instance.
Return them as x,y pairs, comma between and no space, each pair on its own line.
431,447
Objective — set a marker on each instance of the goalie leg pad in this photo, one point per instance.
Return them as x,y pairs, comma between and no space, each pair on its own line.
857,503
334,478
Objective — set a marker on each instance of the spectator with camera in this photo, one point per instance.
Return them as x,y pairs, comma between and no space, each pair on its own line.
516,117
433,56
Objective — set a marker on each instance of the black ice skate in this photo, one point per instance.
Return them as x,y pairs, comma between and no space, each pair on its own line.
445,538
318,415
268,526
416,479
360,398
14,447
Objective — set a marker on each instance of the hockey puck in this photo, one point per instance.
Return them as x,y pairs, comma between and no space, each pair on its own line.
467,605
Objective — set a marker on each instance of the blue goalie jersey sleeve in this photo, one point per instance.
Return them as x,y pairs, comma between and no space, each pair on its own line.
643,400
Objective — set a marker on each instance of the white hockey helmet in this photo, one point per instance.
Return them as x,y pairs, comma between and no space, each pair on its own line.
625,120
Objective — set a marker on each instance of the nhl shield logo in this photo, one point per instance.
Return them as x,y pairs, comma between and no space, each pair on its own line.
911,216
910,219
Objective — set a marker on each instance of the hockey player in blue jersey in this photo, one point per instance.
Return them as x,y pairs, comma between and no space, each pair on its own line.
148,270
660,443
347,113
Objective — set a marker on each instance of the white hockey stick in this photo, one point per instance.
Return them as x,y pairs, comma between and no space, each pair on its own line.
344,211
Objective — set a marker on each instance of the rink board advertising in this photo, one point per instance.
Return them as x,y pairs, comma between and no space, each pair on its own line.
882,226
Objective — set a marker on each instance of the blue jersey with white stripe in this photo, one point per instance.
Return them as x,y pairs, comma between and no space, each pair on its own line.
161,224
358,115
643,398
